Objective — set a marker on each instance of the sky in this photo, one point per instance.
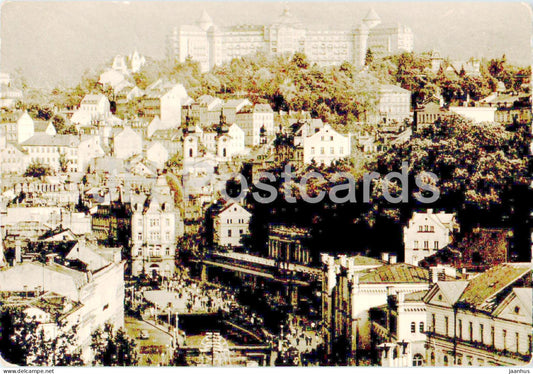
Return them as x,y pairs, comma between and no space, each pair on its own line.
53,43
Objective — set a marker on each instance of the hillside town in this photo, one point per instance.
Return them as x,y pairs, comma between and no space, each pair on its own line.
274,195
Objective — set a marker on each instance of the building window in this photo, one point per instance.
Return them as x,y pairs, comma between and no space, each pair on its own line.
517,340
426,244
481,332
433,322
460,328
470,331
140,236
492,335
418,360
413,327
415,245
446,326
421,326
436,244
504,337
229,233
445,360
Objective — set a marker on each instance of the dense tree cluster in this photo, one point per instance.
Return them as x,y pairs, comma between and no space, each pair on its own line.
113,348
25,343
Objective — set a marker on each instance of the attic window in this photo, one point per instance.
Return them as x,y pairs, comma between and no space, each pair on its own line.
517,309
440,297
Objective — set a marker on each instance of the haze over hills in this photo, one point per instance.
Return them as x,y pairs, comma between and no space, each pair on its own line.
55,42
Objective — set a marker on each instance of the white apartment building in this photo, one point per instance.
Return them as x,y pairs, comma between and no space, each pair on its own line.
213,45
352,286
155,226
13,158
97,294
230,224
157,154
394,104
484,321
59,152
93,107
89,148
257,121
326,146
426,233
127,143
398,329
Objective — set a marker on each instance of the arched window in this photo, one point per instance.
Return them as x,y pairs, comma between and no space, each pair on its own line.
418,360
190,152
413,327
445,360
432,358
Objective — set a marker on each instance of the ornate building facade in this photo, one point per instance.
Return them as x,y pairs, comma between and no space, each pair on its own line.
212,45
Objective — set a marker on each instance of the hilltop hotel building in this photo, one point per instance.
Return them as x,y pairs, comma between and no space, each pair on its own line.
212,45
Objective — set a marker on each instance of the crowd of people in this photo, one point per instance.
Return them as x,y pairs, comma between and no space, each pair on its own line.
200,297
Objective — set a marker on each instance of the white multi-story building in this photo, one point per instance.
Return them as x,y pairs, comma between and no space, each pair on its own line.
394,104
257,121
230,224
89,148
157,154
354,285
398,330
127,143
213,45
59,152
426,233
485,321
155,226
326,146
95,296
13,158
92,108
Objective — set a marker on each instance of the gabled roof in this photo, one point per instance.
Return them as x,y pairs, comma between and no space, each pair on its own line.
524,294
371,16
227,207
396,273
415,296
43,139
92,99
393,88
452,290
481,289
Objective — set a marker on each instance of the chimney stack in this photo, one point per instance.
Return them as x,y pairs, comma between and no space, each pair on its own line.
434,274
385,257
392,258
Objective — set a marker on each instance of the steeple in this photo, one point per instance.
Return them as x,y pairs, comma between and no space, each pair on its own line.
205,21
371,19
